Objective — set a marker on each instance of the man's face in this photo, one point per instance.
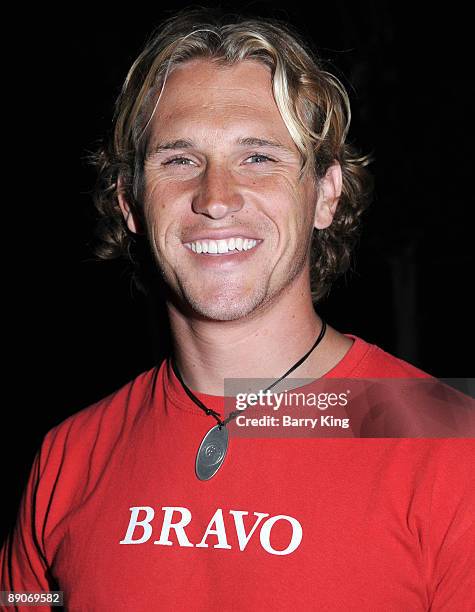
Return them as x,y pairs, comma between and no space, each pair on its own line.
209,187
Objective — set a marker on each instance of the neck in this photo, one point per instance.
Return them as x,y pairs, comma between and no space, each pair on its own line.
262,346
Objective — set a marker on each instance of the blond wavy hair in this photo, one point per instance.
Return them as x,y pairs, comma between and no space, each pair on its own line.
313,104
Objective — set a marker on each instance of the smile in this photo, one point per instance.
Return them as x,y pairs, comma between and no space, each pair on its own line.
223,246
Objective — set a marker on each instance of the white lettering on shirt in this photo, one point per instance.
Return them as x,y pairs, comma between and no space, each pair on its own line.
216,527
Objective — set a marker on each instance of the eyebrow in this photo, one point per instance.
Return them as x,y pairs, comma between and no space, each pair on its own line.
186,144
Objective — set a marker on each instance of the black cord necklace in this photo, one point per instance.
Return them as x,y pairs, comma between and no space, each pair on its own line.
212,450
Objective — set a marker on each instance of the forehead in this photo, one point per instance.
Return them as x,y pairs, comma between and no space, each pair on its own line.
202,93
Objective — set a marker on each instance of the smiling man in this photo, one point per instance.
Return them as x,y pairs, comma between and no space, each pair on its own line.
229,158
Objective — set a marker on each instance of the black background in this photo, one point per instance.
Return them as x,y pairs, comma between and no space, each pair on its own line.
79,328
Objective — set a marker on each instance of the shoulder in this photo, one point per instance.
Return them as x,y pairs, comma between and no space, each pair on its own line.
367,360
102,422
386,364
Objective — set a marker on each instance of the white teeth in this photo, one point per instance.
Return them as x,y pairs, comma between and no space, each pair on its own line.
221,246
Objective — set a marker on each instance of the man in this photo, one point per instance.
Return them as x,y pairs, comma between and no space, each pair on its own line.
229,156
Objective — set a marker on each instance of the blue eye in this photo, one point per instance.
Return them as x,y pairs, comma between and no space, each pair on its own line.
261,157
178,159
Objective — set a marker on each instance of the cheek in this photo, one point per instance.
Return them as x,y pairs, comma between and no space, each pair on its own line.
162,209
156,194
302,211
293,205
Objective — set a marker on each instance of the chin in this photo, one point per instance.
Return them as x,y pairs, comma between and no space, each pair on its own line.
225,306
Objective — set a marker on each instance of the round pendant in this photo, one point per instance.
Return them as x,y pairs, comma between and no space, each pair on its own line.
212,452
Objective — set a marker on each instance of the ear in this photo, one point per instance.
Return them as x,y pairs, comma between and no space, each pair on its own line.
129,217
329,192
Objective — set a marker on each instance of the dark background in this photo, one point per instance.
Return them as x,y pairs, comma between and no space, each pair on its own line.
80,329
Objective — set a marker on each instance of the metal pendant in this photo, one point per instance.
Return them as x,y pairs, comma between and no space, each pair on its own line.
212,452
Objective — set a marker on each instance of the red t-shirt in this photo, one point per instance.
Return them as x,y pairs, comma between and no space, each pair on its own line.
114,516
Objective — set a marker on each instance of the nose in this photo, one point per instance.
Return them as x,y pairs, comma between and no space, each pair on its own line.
218,194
